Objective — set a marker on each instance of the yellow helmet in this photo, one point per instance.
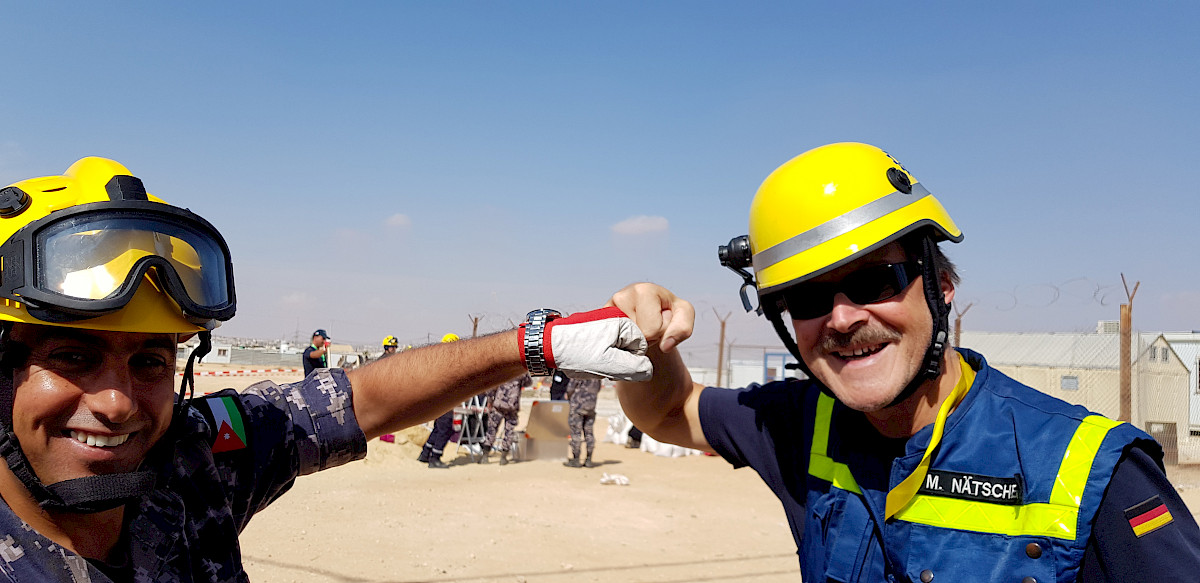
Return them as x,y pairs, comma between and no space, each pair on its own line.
450,337
831,205
391,341
92,249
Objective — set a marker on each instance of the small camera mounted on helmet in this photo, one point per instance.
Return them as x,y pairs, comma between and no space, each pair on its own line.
737,257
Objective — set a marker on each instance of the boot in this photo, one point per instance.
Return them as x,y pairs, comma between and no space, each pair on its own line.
588,463
633,444
424,457
504,458
573,463
437,464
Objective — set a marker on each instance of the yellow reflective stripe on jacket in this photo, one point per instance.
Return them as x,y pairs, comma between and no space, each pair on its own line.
899,496
1057,518
1077,462
820,464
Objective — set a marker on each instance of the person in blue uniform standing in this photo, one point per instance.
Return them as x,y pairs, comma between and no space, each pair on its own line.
443,430
901,458
317,354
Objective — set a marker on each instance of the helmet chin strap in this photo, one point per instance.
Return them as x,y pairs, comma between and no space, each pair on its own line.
84,495
931,362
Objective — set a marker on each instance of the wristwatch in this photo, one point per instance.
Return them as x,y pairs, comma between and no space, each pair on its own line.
535,353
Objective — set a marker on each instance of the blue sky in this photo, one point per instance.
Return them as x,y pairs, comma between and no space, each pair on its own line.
400,167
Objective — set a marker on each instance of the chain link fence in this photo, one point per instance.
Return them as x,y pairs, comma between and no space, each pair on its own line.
1085,369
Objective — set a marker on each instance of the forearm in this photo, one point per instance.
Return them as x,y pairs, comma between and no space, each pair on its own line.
667,406
418,385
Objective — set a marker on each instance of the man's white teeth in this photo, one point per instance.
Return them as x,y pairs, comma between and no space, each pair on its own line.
857,352
99,440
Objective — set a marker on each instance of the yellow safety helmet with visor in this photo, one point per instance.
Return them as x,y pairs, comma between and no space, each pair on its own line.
391,341
92,249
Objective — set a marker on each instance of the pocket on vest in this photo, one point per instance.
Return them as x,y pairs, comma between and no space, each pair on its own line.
957,555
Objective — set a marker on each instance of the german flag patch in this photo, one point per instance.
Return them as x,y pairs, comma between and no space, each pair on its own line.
1148,516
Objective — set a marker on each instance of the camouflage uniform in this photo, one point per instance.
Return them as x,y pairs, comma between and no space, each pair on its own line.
505,401
582,393
187,528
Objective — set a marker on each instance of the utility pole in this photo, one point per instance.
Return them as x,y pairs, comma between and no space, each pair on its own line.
1127,352
721,346
474,324
958,316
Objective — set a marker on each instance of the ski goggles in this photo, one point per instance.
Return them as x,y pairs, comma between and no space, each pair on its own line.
868,285
88,260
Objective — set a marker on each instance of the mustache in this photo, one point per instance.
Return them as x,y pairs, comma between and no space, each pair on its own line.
832,340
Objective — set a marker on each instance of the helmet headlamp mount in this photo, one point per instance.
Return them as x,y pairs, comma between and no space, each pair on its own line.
737,257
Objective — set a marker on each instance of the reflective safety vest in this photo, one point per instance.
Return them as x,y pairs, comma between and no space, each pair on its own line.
1010,495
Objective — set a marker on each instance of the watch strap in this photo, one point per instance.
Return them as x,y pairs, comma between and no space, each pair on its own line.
533,341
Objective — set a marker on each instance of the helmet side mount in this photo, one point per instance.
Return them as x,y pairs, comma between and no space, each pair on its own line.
738,257
13,201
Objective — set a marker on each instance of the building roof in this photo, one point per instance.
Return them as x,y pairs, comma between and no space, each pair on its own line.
1075,350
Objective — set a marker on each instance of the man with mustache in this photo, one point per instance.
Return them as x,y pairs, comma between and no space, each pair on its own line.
903,459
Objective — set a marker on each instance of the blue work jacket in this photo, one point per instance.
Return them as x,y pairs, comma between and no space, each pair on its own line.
1010,494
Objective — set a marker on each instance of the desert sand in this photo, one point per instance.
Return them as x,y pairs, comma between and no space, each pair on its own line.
390,519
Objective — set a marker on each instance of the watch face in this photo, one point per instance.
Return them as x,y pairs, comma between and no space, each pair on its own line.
544,312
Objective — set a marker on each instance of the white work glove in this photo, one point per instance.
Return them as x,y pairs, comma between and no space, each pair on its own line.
602,343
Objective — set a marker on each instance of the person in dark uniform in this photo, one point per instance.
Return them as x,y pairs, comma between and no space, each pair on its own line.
317,354
390,346
558,385
635,438
583,394
443,429
504,406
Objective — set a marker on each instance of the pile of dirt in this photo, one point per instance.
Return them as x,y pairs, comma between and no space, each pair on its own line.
405,445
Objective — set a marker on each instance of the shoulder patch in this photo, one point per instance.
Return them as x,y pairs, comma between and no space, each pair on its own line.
1148,516
224,413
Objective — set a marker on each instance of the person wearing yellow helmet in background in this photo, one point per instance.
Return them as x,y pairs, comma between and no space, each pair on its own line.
902,459
109,474
390,345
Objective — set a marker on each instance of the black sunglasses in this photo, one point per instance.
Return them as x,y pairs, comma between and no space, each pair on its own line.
865,286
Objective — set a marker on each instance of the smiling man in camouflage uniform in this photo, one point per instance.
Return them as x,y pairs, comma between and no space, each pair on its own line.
111,476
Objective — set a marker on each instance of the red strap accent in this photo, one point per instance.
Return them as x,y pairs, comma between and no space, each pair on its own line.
547,351
591,316
521,343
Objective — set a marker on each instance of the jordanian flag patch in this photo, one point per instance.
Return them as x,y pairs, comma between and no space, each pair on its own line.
1148,516
227,418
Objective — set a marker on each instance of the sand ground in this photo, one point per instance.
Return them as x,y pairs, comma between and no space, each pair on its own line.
390,519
